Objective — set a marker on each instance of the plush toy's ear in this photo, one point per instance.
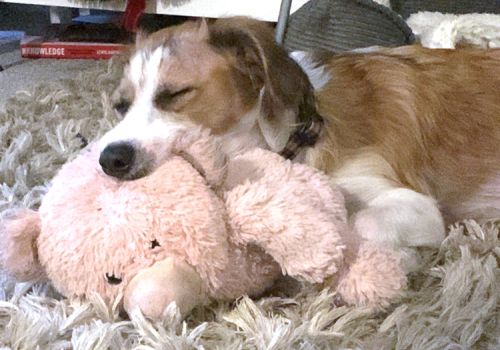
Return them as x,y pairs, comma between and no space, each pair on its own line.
204,153
19,251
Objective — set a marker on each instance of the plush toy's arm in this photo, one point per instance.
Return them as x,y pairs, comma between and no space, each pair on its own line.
202,151
167,281
292,212
19,249
252,166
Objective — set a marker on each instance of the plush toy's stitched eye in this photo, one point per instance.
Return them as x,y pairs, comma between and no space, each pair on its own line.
112,279
154,244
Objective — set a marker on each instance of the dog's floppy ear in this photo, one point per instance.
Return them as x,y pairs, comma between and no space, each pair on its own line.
205,155
283,86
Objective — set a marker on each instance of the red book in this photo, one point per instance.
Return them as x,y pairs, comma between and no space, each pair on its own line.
35,47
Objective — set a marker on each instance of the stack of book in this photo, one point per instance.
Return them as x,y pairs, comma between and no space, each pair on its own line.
37,47
88,39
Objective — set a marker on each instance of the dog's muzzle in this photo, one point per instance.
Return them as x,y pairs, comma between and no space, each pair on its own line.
117,159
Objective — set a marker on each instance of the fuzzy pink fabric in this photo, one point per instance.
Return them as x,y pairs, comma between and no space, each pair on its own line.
20,251
93,225
291,210
234,226
375,277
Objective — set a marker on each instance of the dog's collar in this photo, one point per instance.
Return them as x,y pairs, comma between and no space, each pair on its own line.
305,135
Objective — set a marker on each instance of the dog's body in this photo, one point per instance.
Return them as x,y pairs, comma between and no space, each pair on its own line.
411,131
408,133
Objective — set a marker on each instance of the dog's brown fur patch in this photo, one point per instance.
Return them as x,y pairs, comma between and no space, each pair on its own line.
432,115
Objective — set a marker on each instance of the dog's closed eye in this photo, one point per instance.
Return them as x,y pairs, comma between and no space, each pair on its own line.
121,107
166,97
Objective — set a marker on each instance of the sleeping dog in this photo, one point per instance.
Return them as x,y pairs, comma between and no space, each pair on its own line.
411,135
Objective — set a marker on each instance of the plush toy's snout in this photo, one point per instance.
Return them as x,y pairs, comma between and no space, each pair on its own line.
167,281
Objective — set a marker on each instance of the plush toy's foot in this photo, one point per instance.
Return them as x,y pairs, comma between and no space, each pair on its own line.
153,289
375,279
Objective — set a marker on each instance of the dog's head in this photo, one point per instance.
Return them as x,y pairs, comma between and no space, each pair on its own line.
228,76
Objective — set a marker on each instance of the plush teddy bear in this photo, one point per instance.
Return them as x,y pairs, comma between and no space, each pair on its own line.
198,227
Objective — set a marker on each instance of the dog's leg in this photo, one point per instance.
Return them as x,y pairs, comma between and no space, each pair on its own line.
402,219
385,213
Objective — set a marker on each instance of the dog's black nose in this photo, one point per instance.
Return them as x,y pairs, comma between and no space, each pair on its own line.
117,158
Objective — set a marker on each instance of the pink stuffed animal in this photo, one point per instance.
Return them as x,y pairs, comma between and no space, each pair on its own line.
198,227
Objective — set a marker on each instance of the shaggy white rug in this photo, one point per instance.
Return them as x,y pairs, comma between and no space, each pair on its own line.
438,30
452,303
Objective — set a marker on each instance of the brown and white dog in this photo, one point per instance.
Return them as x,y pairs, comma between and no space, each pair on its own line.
408,133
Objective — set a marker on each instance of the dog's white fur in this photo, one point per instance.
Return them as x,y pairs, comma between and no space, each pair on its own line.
143,121
318,75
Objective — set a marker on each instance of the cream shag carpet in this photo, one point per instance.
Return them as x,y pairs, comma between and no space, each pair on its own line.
451,304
